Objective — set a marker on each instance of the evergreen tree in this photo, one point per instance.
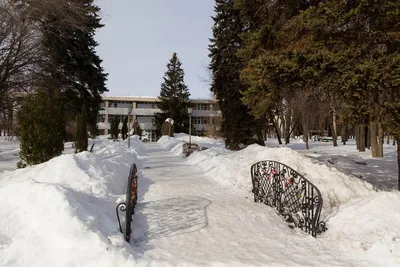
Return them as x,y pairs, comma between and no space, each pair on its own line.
174,97
237,126
73,62
41,127
81,143
124,130
343,54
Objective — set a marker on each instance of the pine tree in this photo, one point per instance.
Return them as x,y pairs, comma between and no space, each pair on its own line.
124,130
174,97
237,126
73,62
41,127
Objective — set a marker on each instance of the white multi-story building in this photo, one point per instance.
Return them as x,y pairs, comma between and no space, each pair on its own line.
205,116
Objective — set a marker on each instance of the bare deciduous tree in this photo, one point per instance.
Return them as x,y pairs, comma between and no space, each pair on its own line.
21,49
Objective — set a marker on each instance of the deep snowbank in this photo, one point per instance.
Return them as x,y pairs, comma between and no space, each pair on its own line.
233,169
358,217
62,212
171,143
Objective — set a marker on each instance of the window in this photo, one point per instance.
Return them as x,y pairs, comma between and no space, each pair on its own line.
202,106
196,120
200,120
146,104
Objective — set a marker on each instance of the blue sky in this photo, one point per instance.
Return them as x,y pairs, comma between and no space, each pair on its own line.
140,36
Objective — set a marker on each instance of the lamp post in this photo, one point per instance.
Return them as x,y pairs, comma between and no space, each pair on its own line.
129,126
190,110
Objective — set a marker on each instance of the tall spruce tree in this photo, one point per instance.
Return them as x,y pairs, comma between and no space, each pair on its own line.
174,97
72,61
237,126
267,73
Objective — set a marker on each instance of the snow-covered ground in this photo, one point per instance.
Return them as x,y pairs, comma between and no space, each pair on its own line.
195,211
62,212
9,154
381,172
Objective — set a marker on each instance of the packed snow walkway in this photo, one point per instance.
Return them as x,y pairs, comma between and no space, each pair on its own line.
184,217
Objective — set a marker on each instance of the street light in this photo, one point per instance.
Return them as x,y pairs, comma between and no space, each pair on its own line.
190,110
129,126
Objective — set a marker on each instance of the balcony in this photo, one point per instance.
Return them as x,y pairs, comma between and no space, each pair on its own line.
206,113
145,111
115,111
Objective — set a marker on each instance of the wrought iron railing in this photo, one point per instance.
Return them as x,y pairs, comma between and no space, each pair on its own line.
297,199
189,148
129,205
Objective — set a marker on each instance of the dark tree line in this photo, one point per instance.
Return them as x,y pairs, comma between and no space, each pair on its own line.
309,65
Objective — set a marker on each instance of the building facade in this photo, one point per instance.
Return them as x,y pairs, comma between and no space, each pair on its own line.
206,116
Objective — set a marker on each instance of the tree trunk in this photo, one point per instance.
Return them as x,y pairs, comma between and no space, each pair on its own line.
357,133
283,126
374,143
265,131
361,134
394,141
277,131
398,160
305,133
388,139
368,137
287,127
260,138
344,134
334,129
380,140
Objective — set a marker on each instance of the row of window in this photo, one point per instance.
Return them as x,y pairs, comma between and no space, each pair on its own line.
153,105
146,119
151,119
202,106
200,120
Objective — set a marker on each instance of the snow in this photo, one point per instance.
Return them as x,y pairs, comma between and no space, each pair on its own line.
172,144
62,212
9,155
195,211
380,172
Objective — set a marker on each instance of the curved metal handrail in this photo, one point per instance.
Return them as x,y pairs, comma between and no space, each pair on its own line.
295,197
130,202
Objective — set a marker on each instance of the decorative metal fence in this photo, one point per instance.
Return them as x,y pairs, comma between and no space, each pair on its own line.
297,199
129,205
189,148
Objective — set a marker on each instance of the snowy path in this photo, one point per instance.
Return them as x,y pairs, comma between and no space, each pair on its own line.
184,217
